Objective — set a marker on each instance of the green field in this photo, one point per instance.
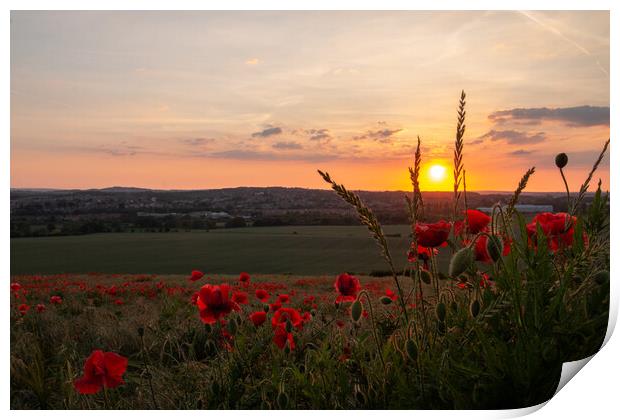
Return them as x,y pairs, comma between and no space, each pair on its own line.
303,250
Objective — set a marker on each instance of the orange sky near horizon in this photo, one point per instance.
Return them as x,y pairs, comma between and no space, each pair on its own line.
102,99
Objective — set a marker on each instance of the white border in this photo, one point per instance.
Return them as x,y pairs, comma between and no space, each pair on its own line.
593,393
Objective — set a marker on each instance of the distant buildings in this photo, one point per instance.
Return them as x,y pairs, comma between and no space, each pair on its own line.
524,208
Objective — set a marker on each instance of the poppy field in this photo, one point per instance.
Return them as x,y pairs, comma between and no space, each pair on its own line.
490,329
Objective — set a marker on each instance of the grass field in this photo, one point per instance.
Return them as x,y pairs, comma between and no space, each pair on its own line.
304,250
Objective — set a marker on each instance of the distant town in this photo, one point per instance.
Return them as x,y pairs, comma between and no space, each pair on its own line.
44,212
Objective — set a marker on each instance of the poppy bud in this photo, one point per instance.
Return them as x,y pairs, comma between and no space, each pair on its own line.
412,349
208,328
441,327
313,312
601,277
460,261
356,310
440,311
386,300
561,160
474,308
494,247
141,331
425,276
282,400
289,326
266,308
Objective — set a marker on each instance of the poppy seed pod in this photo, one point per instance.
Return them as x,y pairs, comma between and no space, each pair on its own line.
561,160
474,308
412,349
386,300
282,399
454,307
440,311
494,247
460,261
356,310
425,276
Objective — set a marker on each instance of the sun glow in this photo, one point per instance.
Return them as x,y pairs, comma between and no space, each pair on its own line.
437,173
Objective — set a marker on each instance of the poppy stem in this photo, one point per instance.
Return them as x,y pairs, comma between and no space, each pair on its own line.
148,373
106,404
374,328
568,207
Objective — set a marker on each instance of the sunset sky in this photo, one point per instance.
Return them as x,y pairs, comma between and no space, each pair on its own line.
189,100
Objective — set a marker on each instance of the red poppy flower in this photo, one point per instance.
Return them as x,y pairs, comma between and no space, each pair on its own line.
432,235
423,253
240,298
15,287
196,275
258,318
57,300
244,277
389,293
340,323
194,298
275,306
480,249
214,302
281,337
40,308
283,298
559,228
101,369
23,308
119,302
477,222
348,287
287,314
262,295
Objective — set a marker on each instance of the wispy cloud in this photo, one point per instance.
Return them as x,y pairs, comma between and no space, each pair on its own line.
320,134
270,131
287,145
581,116
513,136
384,136
521,152
198,141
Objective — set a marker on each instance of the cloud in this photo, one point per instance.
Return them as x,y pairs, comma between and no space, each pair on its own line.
240,154
521,152
578,116
287,145
319,134
198,141
383,136
513,136
270,131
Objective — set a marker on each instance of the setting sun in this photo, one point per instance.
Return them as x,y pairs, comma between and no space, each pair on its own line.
437,172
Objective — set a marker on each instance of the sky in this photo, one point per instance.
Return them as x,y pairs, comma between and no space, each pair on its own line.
192,100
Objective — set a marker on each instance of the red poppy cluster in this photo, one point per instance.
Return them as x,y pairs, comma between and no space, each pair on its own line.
558,228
